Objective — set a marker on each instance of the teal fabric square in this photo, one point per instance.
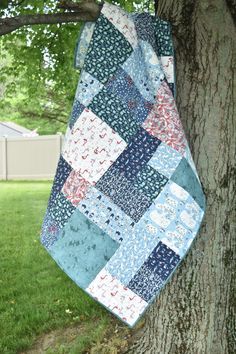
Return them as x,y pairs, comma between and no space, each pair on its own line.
82,249
130,256
163,37
186,178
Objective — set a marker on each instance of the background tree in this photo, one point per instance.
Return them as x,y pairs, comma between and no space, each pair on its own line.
196,311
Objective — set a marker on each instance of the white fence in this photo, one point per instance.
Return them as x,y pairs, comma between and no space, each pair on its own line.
30,157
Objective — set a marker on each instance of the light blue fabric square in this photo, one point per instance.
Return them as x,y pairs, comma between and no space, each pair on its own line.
147,80
131,255
87,88
108,216
176,217
165,160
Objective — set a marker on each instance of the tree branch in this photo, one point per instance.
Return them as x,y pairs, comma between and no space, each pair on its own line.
74,6
85,11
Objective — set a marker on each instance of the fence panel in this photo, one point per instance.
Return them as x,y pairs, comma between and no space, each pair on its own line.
30,157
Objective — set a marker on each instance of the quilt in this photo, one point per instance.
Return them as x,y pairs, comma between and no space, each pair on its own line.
126,201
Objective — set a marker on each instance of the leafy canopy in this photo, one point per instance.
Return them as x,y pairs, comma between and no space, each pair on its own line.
38,78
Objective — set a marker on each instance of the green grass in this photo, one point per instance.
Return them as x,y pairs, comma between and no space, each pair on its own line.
35,294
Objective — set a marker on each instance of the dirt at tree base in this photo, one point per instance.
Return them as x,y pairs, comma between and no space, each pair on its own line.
116,340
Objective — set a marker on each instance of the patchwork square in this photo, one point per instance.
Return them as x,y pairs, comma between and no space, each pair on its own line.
82,44
165,160
162,30
144,28
107,50
130,256
167,64
75,188
122,21
154,272
125,304
61,209
77,110
150,182
122,193
50,230
82,264
92,146
163,121
146,82
109,107
155,69
137,154
108,216
175,217
186,178
63,170
122,86
87,88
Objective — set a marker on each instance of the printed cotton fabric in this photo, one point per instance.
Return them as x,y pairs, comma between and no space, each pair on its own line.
126,201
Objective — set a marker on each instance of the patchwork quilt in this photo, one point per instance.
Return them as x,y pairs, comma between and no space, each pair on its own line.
126,202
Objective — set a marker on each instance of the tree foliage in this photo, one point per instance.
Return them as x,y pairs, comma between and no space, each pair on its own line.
41,60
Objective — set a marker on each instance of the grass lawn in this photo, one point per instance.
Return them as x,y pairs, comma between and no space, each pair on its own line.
36,296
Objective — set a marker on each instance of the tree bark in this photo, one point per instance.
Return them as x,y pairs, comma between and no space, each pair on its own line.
196,311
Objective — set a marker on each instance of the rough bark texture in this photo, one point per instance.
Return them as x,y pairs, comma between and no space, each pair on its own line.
196,311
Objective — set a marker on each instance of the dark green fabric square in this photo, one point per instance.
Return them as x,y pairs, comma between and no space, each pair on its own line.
150,182
110,109
107,50
61,209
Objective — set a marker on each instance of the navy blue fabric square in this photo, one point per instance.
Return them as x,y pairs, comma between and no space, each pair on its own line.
122,192
136,155
144,27
77,109
62,172
123,86
154,272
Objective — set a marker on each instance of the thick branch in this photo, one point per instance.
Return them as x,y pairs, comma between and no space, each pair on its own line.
85,11
74,6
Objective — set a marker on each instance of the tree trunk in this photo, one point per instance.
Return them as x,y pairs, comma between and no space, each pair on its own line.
195,312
